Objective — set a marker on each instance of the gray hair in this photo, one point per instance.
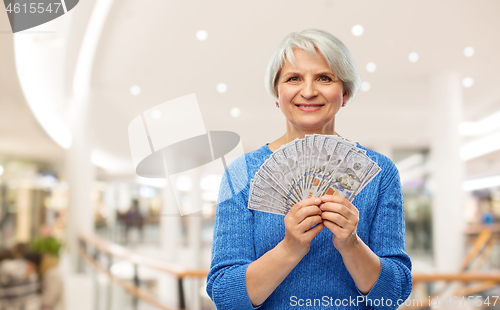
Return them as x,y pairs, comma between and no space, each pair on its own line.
336,54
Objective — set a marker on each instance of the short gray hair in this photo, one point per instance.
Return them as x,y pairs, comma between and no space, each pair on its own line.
336,54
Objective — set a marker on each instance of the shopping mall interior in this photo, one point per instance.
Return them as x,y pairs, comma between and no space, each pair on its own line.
100,233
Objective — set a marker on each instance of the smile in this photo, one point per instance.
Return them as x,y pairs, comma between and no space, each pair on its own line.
310,106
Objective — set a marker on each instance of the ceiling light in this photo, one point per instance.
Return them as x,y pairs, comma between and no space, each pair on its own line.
370,67
413,57
357,30
488,182
481,127
135,90
156,114
365,86
1,170
201,35
235,112
221,88
467,82
469,51
480,147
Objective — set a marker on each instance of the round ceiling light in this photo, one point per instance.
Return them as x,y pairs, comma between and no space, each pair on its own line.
135,90
413,57
370,67
235,112
357,30
201,35
467,82
221,88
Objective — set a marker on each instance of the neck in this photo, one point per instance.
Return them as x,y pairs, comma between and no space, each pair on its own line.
293,133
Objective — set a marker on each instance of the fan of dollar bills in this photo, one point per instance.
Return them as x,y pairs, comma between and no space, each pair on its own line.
311,167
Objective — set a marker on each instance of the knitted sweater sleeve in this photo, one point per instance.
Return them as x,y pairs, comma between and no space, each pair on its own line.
387,240
233,244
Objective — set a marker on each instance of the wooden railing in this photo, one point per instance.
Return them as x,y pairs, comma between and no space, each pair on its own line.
484,239
113,251
468,273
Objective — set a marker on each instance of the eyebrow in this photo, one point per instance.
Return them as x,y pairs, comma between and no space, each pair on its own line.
321,73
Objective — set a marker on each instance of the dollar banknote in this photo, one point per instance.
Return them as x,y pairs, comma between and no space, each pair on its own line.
314,166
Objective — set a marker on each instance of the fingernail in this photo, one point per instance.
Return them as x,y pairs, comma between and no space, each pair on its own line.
317,200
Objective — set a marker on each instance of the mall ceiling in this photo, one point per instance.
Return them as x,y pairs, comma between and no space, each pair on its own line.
153,44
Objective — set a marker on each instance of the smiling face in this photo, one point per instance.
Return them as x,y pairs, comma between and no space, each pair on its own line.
309,94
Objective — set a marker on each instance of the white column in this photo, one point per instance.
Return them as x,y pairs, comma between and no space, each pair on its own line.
80,173
169,224
448,172
195,222
169,243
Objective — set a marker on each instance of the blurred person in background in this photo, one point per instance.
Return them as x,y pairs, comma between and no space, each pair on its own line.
134,220
19,283
52,285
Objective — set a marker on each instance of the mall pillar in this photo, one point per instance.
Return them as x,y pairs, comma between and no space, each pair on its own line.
195,223
445,111
80,175
170,227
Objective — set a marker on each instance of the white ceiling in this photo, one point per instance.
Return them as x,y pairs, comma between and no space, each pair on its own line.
152,44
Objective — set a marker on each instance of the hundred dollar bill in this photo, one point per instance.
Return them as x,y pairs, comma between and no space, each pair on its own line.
281,159
268,184
262,173
368,178
259,196
308,146
341,149
349,174
317,145
258,204
280,172
299,148
274,197
270,190
326,153
292,160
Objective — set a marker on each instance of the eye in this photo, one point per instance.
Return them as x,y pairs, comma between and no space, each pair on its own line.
293,79
325,78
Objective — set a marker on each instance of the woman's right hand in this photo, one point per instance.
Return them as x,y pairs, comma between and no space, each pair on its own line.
267,272
298,222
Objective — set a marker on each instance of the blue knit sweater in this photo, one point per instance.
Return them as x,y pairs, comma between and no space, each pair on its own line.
320,280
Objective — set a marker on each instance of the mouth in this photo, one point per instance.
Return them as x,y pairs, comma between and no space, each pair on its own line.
309,106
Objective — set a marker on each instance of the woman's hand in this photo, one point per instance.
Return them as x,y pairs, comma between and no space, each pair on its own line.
298,222
341,217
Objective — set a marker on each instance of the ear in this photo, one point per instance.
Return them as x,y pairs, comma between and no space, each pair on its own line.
345,98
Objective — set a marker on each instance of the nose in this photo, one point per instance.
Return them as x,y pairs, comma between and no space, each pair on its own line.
309,90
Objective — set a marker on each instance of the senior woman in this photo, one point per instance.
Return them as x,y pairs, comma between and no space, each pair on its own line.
326,251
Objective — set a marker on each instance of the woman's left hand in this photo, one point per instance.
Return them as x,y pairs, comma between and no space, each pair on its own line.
341,217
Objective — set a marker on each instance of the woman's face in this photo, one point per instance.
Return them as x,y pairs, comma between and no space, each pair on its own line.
309,94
